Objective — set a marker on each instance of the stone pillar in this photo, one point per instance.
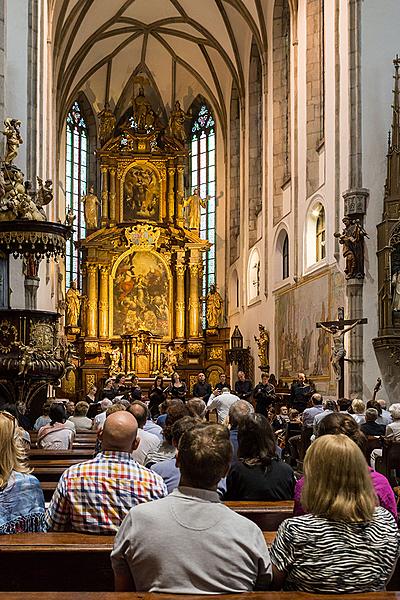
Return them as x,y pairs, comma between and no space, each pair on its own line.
180,194
171,190
180,295
104,195
103,303
92,300
113,196
194,304
354,292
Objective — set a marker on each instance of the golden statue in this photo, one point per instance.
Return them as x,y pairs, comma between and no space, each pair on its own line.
115,366
91,204
263,346
14,139
194,203
176,124
171,358
107,123
73,305
143,113
214,308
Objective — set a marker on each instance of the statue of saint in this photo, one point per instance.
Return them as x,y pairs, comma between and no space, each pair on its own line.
352,239
176,124
107,123
73,305
193,204
263,346
141,111
115,366
396,291
171,358
214,308
91,207
14,139
338,350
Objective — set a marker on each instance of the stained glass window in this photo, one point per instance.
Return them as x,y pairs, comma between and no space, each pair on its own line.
320,235
76,172
202,168
285,257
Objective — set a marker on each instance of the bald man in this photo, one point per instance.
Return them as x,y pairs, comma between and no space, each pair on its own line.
94,496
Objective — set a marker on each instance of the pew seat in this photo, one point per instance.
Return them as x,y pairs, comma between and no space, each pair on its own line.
148,596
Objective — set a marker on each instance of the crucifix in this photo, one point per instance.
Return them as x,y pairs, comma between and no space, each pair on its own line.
337,329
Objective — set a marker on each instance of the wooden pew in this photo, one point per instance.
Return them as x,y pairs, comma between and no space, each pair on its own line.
149,596
267,515
77,453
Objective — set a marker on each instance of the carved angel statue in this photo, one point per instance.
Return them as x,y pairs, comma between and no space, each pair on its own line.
263,346
171,358
44,194
91,205
14,139
73,305
107,123
214,308
115,357
352,240
193,204
176,124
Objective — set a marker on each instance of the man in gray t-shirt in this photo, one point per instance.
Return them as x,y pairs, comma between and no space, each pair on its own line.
189,542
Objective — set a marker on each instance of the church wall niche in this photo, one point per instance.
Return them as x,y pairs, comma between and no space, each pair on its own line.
255,143
234,176
281,104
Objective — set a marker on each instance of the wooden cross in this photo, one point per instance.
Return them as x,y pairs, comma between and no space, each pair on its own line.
338,352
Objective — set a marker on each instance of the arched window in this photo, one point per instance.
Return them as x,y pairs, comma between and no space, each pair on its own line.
255,143
320,250
285,257
234,176
253,275
202,170
76,175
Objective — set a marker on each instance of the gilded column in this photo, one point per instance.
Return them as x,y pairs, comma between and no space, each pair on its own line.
103,302
194,304
113,196
180,194
92,300
171,190
180,295
104,195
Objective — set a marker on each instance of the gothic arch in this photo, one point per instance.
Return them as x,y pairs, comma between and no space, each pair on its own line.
255,141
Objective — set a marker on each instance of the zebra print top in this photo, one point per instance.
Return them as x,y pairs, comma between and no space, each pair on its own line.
336,557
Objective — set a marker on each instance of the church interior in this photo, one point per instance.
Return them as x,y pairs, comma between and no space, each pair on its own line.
197,188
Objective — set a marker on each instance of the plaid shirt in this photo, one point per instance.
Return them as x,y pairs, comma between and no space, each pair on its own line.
96,495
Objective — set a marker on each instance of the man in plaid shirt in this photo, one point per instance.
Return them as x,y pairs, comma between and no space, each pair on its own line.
96,495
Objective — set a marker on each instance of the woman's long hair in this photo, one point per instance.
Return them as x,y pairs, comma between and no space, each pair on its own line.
256,440
12,455
337,484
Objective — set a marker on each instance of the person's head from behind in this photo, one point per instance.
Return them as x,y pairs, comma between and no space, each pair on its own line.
382,403
337,484
375,404
256,439
181,426
139,410
238,411
344,404
371,415
316,399
338,422
293,414
119,433
358,406
204,456
46,409
175,411
81,409
57,413
118,406
395,411
196,407
105,403
329,404
12,455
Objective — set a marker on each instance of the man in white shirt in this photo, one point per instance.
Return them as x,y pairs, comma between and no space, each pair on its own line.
99,419
221,401
147,441
203,547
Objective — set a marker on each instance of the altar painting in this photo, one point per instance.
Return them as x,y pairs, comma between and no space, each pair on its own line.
141,293
141,190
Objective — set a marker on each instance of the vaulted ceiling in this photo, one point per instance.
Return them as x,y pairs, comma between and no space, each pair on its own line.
184,47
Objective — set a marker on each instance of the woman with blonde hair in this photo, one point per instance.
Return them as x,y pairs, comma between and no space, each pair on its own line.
358,408
346,544
21,497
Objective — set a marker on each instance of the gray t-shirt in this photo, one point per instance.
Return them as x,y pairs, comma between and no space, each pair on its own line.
190,543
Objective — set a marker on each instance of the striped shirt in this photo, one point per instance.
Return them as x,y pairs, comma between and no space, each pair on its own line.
327,557
96,495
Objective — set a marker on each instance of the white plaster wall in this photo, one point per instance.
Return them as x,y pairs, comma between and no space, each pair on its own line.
380,44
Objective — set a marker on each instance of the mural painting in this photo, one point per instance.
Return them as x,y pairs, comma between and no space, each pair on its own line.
141,195
141,292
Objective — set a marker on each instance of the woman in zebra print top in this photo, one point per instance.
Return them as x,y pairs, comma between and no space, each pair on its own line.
346,544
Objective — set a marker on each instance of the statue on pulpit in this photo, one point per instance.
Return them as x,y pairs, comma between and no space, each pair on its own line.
73,305
91,205
193,204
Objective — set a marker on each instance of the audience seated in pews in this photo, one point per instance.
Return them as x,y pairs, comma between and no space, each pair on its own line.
57,435
197,408
345,544
258,474
80,420
70,409
44,418
237,412
221,402
339,423
310,413
175,411
152,427
148,442
202,547
329,406
358,411
392,431
21,497
94,496
371,427
23,434
386,416
156,396
99,419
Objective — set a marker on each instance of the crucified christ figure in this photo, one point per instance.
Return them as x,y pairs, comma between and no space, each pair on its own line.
338,351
